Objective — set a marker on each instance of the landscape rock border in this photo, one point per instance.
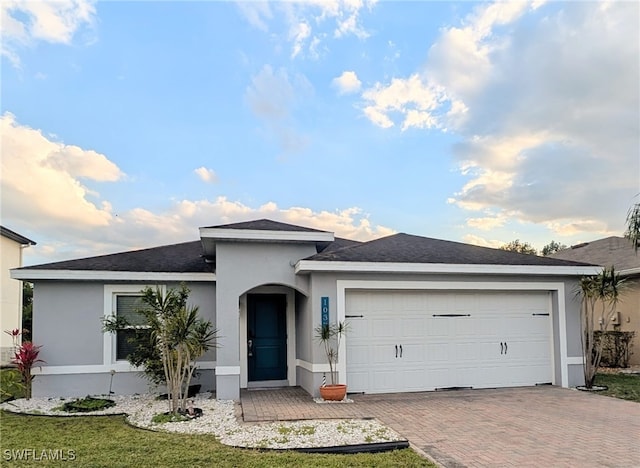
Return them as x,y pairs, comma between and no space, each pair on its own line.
220,419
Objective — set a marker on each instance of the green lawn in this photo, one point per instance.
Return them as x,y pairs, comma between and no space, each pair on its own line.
110,441
624,386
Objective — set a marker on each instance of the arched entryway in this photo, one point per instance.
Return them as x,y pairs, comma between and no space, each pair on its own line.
268,337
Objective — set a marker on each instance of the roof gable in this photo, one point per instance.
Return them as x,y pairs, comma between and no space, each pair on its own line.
616,251
264,225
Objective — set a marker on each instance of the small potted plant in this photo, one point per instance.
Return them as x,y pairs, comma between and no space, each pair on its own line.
330,336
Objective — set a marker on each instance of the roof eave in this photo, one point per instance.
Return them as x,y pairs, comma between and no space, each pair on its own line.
309,266
629,271
265,236
26,274
14,236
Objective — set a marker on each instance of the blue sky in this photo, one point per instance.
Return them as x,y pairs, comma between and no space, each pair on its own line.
131,124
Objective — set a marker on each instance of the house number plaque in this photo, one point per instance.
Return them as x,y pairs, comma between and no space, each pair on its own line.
324,308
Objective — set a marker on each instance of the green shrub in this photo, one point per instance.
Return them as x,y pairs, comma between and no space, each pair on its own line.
617,346
10,385
86,405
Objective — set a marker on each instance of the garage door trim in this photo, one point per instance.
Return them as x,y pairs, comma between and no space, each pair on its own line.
344,285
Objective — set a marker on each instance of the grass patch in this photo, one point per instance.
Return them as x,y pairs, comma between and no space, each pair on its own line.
109,441
302,430
623,386
86,405
162,418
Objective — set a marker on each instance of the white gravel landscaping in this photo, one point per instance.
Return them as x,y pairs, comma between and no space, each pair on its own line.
219,419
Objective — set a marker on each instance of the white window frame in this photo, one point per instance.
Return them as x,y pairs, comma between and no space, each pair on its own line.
111,291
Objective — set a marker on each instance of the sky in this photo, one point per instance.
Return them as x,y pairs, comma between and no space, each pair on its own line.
128,125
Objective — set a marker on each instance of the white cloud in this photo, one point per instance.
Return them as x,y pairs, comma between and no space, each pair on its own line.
347,83
26,22
40,178
44,194
258,14
413,99
545,103
141,228
272,96
308,23
298,34
206,174
487,223
482,242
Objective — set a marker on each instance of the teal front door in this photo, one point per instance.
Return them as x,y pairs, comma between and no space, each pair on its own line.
267,337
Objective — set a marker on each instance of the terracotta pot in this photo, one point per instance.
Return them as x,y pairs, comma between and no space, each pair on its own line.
335,392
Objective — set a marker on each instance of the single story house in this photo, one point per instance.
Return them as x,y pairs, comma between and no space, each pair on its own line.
423,313
12,245
617,252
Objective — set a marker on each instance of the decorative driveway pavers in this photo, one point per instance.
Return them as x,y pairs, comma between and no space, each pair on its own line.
533,426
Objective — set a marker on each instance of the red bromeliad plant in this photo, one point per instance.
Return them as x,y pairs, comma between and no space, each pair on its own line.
25,355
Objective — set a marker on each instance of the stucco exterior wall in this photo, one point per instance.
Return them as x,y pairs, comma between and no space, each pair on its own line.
629,312
68,324
10,296
241,267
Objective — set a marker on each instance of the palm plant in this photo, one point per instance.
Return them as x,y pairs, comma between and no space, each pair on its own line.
633,226
177,336
330,337
601,292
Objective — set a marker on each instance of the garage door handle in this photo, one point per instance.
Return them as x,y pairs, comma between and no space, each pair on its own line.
396,351
505,347
501,347
400,350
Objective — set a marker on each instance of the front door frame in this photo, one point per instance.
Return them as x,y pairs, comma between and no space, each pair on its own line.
291,332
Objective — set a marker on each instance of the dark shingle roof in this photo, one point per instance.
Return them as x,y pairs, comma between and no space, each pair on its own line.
616,251
265,225
405,248
176,258
14,236
340,243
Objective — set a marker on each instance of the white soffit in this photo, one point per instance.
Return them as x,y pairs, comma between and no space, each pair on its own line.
307,266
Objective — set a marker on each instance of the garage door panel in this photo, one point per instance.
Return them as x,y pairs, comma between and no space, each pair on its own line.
411,353
384,381
359,355
383,354
412,327
383,328
464,327
359,381
438,352
499,343
465,351
414,379
438,327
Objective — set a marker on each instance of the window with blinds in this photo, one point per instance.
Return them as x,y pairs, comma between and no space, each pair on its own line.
127,306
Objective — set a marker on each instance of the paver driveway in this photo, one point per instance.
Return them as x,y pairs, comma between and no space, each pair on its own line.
533,426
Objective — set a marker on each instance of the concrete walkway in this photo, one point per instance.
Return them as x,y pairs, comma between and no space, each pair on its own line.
532,426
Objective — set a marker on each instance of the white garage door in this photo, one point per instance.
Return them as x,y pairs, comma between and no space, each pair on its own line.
425,340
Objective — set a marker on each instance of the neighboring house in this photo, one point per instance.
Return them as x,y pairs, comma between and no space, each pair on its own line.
423,313
617,252
11,246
